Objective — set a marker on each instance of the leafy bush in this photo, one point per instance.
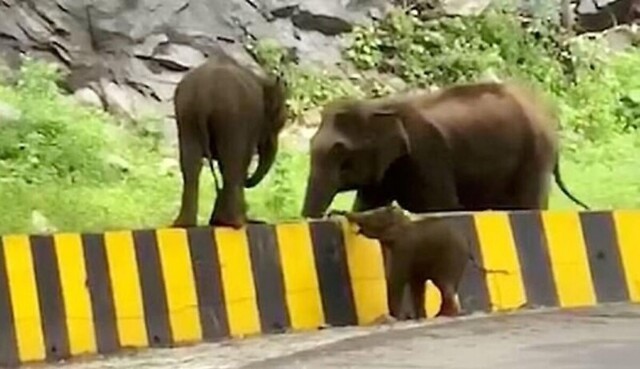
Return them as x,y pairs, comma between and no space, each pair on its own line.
310,87
453,50
450,50
53,139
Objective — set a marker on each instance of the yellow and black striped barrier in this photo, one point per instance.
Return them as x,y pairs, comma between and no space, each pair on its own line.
67,295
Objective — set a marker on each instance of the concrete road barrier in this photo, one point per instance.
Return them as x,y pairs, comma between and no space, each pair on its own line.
68,295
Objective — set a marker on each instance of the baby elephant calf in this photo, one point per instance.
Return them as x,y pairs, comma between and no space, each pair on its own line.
420,250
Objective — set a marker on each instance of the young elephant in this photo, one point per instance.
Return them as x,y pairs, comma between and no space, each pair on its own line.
227,113
420,250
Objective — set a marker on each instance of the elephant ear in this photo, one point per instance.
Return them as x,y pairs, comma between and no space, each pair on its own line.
275,95
390,139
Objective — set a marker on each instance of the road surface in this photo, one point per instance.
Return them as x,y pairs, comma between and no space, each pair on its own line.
591,339
587,338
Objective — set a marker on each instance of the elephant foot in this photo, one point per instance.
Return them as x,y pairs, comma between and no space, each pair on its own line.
180,223
256,221
235,224
384,319
336,213
449,308
446,313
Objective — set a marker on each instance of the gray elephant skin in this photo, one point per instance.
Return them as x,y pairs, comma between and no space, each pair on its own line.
419,250
467,147
225,112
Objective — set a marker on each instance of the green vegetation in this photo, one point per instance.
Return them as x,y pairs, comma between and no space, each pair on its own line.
85,170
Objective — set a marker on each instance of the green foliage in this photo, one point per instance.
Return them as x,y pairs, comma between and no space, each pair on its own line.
281,188
52,139
450,50
453,50
310,87
85,172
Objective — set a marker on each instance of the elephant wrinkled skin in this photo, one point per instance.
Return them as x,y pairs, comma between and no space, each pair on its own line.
419,250
225,112
467,147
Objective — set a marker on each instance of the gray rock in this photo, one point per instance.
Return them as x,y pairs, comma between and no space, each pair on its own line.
40,224
464,7
124,101
622,37
607,14
8,113
133,53
87,96
148,46
326,17
178,57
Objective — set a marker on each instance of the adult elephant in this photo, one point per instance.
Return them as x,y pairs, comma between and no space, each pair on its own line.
225,112
467,147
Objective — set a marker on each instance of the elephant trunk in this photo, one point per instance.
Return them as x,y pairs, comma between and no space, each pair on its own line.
318,196
267,151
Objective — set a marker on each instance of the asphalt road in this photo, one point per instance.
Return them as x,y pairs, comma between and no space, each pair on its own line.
588,339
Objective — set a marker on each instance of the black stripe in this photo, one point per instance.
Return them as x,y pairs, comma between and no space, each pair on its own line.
101,292
333,273
8,341
604,257
268,278
472,291
533,255
52,309
206,269
156,311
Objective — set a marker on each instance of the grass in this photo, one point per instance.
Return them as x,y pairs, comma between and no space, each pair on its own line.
146,200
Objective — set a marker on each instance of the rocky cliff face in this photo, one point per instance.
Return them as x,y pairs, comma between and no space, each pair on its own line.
127,55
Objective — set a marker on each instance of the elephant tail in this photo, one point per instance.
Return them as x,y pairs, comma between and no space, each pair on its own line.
563,187
477,265
206,149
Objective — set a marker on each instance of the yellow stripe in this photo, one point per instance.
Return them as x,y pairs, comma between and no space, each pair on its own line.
127,295
366,268
499,252
627,225
237,279
24,298
433,299
302,290
180,285
568,258
77,301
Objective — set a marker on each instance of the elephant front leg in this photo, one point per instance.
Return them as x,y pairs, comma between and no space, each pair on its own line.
398,278
417,298
370,198
190,166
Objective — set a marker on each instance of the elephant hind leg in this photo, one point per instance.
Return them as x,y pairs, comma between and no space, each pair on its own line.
450,305
190,165
531,186
230,205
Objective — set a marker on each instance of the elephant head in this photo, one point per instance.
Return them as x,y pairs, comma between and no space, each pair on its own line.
275,115
381,223
354,146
